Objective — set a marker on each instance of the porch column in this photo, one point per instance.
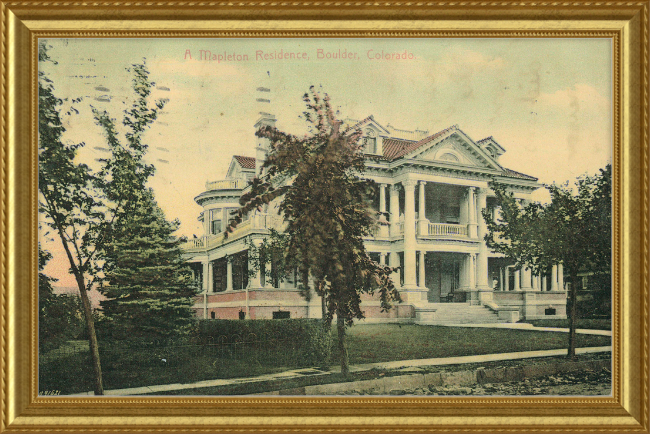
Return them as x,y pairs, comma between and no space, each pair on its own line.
210,276
228,274
471,270
394,263
543,276
256,280
383,228
206,276
502,279
506,278
472,230
482,258
382,198
423,226
382,259
394,210
535,281
560,277
517,279
525,278
554,278
422,269
409,234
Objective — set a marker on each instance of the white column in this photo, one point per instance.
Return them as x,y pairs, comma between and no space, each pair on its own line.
471,271
422,269
210,276
206,276
506,279
472,229
409,235
535,281
256,280
482,259
543,278
554,278
423,223
394,210
517,279
228,274
394,263
502,276
560,277
384,229
525,278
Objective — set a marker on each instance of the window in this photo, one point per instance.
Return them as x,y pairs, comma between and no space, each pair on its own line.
549,311
585,282
215,221
213,315
280,314
242,314
370,142
449,157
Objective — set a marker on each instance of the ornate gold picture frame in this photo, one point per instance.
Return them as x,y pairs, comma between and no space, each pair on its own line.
625,23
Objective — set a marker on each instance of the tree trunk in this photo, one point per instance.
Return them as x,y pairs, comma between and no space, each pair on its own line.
343,353
92,337
572,317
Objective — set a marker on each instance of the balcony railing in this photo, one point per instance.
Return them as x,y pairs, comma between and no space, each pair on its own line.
226,184
446,229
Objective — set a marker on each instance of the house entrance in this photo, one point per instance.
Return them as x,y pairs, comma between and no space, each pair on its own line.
442,277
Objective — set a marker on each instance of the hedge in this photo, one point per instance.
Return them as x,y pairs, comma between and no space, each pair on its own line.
312,340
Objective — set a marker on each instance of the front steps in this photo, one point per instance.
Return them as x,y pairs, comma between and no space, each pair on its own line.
454,313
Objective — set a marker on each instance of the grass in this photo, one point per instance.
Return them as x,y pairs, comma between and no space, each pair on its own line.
582,323
371,343
68,370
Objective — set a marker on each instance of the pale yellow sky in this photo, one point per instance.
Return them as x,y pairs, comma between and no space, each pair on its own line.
548,102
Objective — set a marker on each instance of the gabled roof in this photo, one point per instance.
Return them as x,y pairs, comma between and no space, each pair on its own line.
245,162
513,174
365,121
395,148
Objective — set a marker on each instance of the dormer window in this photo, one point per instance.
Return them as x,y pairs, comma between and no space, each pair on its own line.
370,142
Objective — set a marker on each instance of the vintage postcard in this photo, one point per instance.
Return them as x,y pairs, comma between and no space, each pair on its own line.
311,216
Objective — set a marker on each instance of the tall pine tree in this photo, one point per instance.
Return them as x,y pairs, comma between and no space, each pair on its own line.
149,288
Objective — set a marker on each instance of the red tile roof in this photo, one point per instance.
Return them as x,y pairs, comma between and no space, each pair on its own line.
513,174
245,162
395,148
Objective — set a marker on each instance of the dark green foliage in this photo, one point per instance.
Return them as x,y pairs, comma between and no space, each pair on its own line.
69,202
60,317
574,230
313,342
149,287
326,205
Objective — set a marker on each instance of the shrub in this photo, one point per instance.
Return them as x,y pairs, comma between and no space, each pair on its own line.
310,340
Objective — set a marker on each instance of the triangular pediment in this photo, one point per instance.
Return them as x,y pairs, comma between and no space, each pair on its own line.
454,147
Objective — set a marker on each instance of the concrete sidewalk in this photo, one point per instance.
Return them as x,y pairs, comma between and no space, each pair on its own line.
308,372
527,326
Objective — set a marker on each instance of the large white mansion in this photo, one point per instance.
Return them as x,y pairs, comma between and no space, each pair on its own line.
432,190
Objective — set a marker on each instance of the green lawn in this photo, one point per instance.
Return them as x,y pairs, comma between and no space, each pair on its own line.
369,343
582,323
68,369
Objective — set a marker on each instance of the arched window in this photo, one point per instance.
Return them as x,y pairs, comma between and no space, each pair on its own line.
449,157
370,141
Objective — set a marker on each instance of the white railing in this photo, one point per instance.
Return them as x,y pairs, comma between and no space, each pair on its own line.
445,229
226,184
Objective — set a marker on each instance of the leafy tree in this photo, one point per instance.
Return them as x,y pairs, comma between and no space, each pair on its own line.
150,288
573,230
69,203
60,317
326,207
